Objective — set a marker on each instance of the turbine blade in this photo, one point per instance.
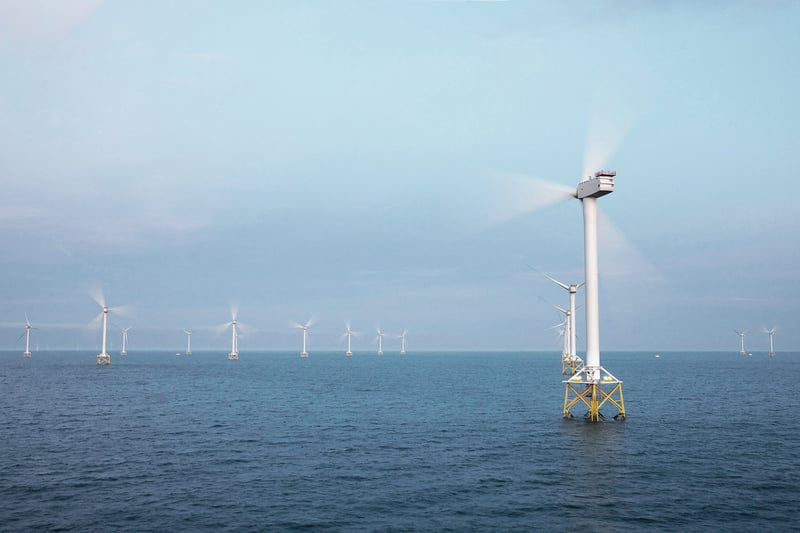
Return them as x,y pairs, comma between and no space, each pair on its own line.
121,310
611,118
220,328
554,280
621,258
96,322
516,195
97,295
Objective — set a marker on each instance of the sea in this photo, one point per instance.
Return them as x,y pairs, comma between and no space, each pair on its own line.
427,441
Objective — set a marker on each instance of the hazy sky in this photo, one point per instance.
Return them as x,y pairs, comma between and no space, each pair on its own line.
374,161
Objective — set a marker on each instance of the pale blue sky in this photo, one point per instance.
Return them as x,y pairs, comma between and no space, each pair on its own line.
362,160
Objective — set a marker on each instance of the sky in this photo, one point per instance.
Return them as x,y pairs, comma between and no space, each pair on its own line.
393,164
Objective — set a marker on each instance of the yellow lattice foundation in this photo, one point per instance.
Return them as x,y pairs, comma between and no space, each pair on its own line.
594,394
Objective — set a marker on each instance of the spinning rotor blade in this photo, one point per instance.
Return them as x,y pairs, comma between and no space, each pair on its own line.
97,295
518,195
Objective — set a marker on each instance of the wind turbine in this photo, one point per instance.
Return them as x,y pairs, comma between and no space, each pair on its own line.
188,341
304,327
27,334
103,358
741,339
572,288
568,363
348,333
770,332
124,350
380,337
236,326
402,338
593,385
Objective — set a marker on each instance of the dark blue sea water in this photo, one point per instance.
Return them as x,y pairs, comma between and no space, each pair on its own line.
425,441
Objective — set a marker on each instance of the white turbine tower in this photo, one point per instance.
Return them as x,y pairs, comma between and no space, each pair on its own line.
124,350
188,341
103,358
741,341
380,337
402,338
770,332
304,327
27,334
348,333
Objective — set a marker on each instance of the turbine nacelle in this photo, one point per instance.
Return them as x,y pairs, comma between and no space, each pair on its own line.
594,187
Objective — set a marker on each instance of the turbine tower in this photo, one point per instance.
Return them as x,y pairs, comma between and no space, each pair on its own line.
188,341
28,328
103,358
741,341
304,327
769,332
402,338
380,337
572,355
348,333
593,378
124,350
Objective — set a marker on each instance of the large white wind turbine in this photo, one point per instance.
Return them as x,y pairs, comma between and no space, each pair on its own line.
348,333
188,341
402,338
380,337
124,350
103,357
770,332
27,334
304,327
741,339
593,378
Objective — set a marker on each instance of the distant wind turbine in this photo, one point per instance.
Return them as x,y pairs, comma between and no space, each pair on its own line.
572,288
380,337
770,332
402,338
348,333
188,341
236,326
27,334
124,350
304,327
741,339
103,358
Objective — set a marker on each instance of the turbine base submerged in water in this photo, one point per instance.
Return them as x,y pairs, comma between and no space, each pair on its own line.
103,359
594,387
233,356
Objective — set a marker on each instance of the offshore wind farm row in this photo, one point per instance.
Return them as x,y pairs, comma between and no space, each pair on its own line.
589,384
235,325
